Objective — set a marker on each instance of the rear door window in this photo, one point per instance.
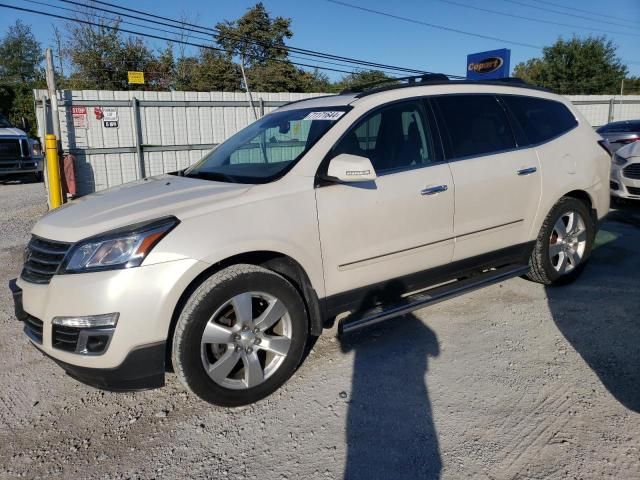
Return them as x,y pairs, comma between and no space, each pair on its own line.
541,119
473,125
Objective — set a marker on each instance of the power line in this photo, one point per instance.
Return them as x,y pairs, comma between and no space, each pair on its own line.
432,25
560,12
420,22
539,20
157,37
586,11
216,34
189,36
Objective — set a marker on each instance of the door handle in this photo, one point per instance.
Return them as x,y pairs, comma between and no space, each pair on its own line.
527,171
434,190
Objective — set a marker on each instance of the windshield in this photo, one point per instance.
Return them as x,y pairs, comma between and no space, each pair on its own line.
4,123
268,148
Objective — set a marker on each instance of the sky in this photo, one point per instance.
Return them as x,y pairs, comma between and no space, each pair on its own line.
329,27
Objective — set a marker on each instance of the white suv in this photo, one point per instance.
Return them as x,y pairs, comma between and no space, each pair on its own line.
375,203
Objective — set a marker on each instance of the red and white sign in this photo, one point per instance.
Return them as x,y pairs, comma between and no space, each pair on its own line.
79,115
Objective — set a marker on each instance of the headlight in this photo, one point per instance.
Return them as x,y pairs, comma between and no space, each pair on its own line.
122,248
618,160
36,149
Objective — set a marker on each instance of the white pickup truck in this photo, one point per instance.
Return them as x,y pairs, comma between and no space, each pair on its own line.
19,154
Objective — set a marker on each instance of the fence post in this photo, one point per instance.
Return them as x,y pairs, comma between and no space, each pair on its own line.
611,108
137,129
261,107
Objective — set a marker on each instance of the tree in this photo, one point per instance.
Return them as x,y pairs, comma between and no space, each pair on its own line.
20,55
100,56
588,66
363,78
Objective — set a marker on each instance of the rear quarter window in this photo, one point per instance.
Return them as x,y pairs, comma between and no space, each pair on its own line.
541,119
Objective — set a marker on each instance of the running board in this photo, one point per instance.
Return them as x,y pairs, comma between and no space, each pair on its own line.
359,320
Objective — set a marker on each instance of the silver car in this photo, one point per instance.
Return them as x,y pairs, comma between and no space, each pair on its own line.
619,134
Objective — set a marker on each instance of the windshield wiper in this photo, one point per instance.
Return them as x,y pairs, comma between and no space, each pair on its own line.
213,176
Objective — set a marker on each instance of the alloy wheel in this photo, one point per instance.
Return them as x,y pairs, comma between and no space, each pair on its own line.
568,242
246,340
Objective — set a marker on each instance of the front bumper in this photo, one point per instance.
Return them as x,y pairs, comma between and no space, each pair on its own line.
21,167
145,298
624,187
143,368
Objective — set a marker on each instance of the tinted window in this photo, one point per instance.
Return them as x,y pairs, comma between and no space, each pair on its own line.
473,125
540,119
393,137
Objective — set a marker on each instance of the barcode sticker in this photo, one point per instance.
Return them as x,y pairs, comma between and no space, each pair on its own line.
324,115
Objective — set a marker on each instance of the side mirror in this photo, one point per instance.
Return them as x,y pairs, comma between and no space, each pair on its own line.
351,168
26,126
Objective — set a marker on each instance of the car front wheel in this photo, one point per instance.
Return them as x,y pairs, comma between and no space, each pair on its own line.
240,336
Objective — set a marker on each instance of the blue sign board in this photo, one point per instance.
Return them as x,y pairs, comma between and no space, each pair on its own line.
488,65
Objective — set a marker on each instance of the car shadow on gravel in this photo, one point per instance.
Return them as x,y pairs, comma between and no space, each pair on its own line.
390,430
598,314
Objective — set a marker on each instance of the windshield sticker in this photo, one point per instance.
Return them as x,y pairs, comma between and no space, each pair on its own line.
325,115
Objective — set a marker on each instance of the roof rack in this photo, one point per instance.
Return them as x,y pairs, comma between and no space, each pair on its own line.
396,82
431,79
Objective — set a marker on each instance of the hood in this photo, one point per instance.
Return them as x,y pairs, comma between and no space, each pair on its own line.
132,203
631,150
12,132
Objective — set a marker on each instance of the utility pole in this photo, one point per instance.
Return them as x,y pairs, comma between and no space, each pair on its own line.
246,88
53,95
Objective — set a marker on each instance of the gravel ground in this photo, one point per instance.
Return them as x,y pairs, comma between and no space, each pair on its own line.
513,381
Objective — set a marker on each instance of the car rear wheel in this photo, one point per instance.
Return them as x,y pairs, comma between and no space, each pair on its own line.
564,243
240,336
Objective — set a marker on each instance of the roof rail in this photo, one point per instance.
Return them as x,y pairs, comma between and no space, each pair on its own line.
396,82
433,79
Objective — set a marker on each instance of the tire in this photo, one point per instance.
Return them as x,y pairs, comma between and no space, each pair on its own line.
38,176
547,269
221,308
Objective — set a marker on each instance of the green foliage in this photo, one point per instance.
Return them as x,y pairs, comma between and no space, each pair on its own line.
588,66
20,55
361,79
16,101
20,72
255,38
101,56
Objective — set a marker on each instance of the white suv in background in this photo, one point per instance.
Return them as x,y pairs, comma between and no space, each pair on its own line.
375,202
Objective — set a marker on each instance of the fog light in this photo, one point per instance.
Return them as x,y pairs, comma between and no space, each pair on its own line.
88,321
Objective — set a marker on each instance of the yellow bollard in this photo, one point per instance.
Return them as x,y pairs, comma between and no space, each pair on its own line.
53,172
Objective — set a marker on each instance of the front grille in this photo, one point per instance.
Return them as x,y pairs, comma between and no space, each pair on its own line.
33,328
65,338
10,149
634,190
43,259
632,171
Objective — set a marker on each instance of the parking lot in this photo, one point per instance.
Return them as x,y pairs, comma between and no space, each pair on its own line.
513,381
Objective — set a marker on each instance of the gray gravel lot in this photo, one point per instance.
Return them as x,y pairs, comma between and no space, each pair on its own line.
513,381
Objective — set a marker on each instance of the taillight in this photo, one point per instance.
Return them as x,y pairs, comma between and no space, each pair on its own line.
605,145
627,141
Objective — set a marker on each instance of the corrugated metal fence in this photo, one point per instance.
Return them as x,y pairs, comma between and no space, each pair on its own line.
120,136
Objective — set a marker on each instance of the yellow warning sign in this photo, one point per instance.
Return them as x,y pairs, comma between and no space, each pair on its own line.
136,77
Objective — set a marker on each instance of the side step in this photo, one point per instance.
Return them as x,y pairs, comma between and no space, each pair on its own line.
359,320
